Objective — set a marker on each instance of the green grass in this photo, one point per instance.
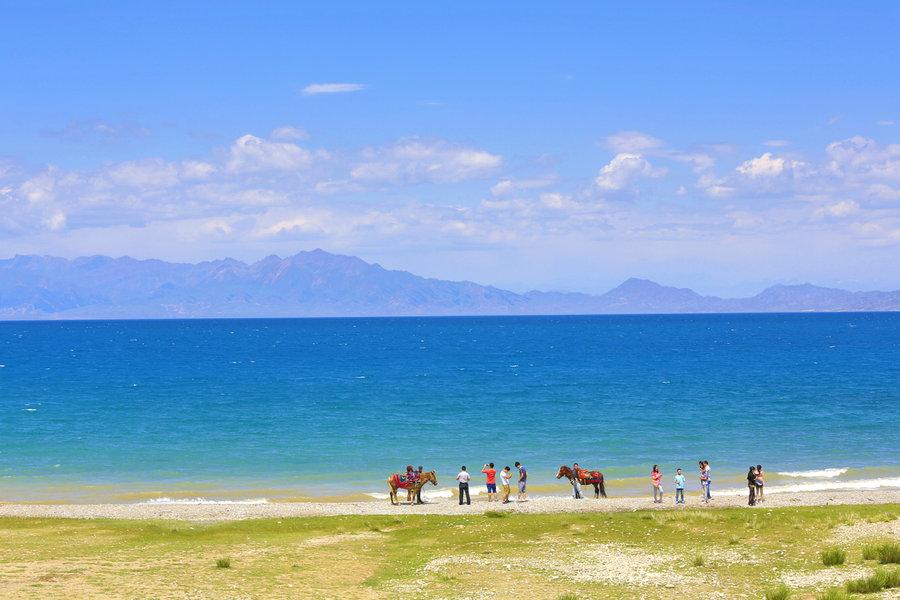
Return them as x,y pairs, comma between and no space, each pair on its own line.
698,561
782,592
387,555
223,563
833,556
882,579
834,594
569,596
887,553
495,514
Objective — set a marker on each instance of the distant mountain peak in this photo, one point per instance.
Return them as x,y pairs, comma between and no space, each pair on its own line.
319,283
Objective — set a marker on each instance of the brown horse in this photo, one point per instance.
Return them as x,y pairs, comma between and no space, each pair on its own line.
411,490
585,477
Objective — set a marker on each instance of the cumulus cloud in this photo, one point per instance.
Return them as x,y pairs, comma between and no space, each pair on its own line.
766,165
250,153
416,161
315,89
624,169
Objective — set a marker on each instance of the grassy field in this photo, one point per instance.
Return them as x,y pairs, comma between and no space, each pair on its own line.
717,553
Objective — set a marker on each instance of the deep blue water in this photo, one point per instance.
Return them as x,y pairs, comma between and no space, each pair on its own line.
308,405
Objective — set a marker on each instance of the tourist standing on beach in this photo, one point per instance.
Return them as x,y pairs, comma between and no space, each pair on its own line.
463,479
704,481
576,486
751,484
523,482
656,481
490,474
505,476
679,487
760,483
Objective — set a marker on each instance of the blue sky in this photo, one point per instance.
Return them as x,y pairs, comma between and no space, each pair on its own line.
721,146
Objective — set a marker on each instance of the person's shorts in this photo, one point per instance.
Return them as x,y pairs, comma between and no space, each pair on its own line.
492,488
521,487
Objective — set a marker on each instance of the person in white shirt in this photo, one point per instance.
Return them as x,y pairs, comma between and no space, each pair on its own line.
463,479
505,476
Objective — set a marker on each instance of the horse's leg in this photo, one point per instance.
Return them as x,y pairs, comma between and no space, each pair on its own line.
596,490
602,489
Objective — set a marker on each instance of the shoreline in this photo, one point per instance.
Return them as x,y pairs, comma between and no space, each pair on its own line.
235,511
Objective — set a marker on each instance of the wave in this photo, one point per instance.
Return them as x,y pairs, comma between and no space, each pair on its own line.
817,474
167,500
823,486
441,493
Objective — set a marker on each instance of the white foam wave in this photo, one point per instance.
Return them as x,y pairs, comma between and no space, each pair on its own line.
438,494
823,486
166,500
815,474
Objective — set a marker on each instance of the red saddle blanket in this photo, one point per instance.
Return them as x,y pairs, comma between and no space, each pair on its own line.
590,476
402,481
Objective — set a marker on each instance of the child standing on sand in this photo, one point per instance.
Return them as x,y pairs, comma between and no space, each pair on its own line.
656,480
679,487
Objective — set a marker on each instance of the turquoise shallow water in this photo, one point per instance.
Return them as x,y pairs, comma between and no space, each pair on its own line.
238,408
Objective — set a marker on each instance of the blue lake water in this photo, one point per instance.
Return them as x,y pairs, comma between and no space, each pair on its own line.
298,407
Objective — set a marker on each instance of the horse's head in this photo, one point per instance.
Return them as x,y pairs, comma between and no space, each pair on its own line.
433,477
564,471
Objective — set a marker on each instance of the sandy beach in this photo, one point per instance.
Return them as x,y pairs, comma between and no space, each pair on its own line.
225,511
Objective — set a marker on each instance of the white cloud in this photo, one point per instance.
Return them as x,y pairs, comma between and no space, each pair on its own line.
631,141
776,143
860,158
840,209
314,89
56,221
415,161
624,169
512,186
885,123
250,153
766,165
288,133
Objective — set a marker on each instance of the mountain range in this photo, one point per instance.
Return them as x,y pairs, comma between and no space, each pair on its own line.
321,284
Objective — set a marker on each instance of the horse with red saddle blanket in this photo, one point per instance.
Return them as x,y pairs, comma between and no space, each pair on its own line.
584,477
412,486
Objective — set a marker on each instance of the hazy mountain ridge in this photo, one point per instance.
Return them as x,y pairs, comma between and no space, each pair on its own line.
318,283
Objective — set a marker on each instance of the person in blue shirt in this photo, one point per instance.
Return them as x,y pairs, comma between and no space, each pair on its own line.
679,487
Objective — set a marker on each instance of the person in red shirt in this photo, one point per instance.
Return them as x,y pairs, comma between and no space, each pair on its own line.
491,473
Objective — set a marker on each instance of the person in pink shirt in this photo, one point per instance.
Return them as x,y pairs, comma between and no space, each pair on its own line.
656,480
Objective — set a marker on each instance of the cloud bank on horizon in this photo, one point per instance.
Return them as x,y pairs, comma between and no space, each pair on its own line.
571,165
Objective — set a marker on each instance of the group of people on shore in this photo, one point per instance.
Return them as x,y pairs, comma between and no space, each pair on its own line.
755,482
490,473
704,473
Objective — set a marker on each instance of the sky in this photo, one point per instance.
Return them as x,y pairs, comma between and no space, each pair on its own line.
722,146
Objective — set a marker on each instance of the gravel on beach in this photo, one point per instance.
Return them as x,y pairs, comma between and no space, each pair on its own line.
545,504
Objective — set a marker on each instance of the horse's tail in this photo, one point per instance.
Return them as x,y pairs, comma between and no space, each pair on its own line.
602,487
